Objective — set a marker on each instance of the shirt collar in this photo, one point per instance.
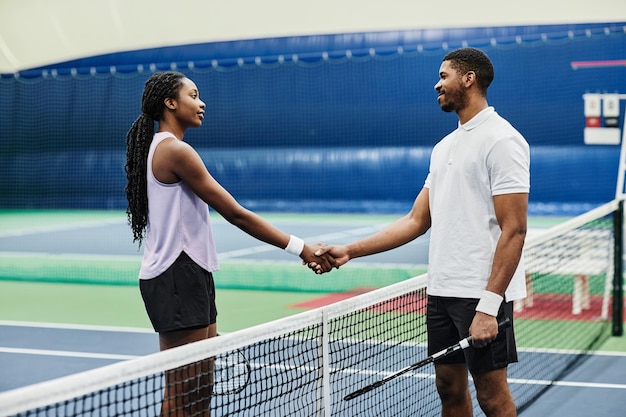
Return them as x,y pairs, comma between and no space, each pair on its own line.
478,119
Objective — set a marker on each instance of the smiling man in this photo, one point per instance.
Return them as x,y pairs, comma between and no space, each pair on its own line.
475,202
478,197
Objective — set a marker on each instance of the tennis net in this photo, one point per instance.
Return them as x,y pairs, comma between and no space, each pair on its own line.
304,365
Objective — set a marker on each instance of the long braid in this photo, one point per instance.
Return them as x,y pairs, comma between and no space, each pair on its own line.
159,86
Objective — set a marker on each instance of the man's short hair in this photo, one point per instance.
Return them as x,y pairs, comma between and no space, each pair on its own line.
472,59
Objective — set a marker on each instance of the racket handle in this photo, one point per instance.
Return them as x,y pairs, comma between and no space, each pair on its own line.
504,324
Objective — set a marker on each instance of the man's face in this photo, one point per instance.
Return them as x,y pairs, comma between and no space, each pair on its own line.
452,95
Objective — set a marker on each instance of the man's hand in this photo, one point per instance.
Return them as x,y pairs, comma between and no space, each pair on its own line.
336,255
483,330
318,263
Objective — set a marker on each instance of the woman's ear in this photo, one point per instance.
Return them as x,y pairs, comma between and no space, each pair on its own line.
170,103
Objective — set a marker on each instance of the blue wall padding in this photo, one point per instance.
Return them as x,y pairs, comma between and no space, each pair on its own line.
328,131
300,179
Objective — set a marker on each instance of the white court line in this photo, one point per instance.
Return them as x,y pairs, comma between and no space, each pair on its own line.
92,256
60,227
565,383
335,236
67,326
67,354
108,356
86,327
382,374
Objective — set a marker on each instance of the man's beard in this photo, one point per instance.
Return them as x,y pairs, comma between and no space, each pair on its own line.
457,102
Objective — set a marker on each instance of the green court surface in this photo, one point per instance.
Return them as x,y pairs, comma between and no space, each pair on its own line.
107,305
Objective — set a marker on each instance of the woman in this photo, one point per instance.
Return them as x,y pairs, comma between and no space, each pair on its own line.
168,191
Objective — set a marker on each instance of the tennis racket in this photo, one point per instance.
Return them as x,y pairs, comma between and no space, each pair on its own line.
231,372
461,344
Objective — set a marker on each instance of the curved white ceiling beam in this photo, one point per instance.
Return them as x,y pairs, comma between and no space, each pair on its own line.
34,33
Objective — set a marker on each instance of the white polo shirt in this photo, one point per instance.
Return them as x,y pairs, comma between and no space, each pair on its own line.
480,159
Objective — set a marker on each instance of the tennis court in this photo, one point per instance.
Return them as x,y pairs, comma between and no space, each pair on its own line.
32,353
327,132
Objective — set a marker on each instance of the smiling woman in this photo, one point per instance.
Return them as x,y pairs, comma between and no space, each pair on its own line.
169,190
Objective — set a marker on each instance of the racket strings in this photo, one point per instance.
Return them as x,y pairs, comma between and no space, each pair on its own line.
231,373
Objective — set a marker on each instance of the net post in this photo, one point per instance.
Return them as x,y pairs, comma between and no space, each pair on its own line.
618,275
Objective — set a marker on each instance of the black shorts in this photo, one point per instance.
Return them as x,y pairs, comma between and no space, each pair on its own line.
448,319
183,297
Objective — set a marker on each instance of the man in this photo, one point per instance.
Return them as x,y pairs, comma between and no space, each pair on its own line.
475,201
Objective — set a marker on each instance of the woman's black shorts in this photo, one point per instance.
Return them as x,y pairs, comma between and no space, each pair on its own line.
183,297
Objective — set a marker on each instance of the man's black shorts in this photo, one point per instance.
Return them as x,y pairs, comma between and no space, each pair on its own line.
183,297
448,320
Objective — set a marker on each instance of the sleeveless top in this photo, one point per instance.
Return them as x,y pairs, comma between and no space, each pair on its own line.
178,220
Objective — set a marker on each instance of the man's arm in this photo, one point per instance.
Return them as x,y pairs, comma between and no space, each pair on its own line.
403,230
511,212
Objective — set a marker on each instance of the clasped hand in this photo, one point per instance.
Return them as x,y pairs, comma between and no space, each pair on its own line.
322,258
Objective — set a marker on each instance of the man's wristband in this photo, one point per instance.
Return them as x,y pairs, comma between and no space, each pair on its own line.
489,303
295,245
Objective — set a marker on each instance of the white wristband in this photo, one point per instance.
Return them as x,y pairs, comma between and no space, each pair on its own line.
489,303
295,245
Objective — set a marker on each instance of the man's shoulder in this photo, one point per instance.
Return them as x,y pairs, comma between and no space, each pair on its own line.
499,127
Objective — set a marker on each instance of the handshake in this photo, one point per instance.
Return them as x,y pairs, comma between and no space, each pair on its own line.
322,258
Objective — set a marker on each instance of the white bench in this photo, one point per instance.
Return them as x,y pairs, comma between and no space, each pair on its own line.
577,253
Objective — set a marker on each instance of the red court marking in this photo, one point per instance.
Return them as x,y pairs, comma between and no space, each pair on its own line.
405,304
331,298
559,307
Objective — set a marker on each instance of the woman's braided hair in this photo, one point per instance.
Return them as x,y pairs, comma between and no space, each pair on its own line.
160,86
